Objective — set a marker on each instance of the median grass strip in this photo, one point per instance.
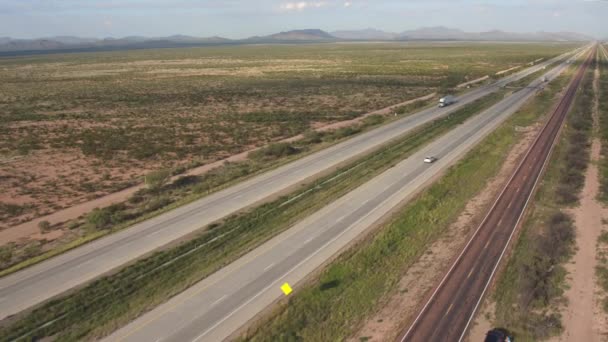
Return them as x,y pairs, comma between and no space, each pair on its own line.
350,288
158,199
530,291
111,301
148,203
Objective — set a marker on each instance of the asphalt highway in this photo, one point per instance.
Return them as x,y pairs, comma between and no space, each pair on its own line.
53,277
214,308
447,314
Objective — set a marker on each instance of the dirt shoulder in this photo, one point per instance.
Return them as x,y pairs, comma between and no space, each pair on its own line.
388,322
584,319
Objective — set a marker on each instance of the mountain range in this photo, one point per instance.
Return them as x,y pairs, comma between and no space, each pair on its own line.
445,33
10,46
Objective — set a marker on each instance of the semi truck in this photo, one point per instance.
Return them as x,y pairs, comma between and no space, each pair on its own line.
446,100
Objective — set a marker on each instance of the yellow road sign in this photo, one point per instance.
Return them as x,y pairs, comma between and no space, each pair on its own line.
286,289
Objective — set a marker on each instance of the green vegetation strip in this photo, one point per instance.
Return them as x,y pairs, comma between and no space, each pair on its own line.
530,291
601,269
114,300
351,287
603,116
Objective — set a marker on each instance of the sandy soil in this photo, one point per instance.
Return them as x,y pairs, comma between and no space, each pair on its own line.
483,322
462,85
424,275
583,318
507,70
72,210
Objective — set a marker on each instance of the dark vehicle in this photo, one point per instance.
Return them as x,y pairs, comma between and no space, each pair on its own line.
498,335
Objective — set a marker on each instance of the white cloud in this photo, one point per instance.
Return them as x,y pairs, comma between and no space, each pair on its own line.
348,3
302,5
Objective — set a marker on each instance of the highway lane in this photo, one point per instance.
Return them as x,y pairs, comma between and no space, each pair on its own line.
59,274
214,308
448,313
603,50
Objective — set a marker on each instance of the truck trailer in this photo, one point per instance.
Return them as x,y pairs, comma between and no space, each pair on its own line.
446,100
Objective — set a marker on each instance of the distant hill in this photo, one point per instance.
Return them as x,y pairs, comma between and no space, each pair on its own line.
434,33
294,36
444,33
83,44
10,46
367,34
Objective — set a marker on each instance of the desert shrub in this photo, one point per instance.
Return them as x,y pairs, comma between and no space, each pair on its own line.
105,217
312,137
373,120
156,203
32,249
541,273
345,132
273,151
185,181
412,106
44,226
99,218
10,209
155,180
6,253
544,326
576,157
137,197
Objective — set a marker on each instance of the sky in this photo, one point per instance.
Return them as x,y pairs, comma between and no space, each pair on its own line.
245,18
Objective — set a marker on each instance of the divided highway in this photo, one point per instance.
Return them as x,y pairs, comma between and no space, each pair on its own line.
50,278
214,308
449,311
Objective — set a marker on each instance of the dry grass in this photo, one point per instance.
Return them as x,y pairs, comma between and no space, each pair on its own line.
78,126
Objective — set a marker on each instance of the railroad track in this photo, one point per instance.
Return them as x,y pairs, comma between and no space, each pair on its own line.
451,307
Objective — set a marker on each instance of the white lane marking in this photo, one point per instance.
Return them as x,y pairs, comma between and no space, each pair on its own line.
470,272
310,256
449,309
268,267
340,218
81,265
308,240
156,232
219,300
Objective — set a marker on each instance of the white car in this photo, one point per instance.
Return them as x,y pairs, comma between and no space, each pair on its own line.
430,159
